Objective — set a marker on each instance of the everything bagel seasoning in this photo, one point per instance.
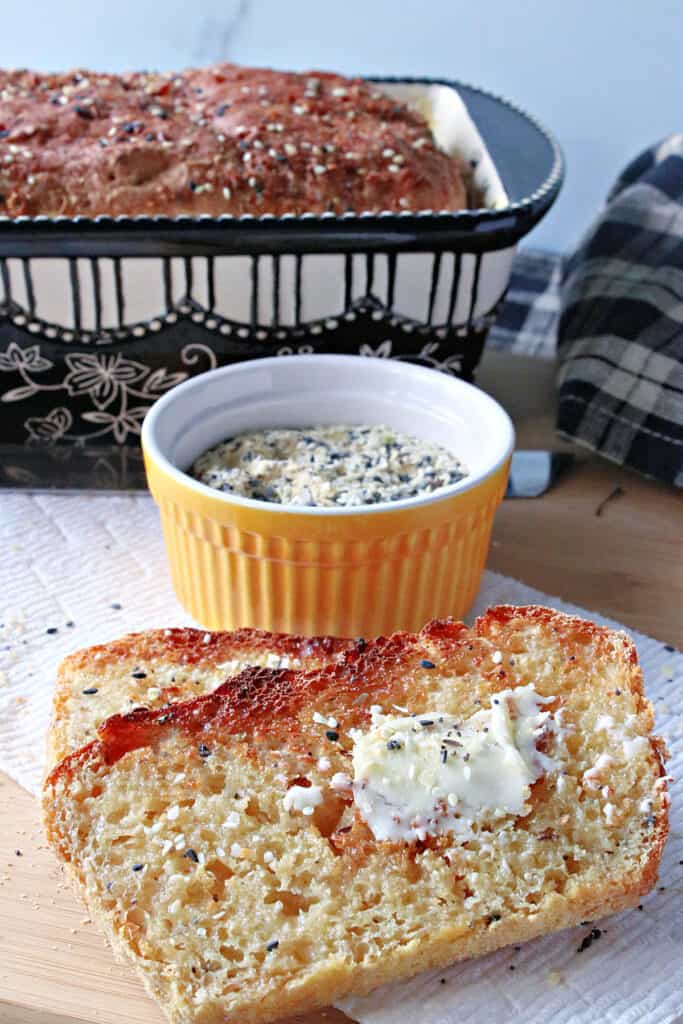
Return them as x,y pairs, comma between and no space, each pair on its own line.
328,466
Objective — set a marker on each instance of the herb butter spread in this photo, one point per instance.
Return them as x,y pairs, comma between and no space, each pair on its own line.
432,773
328,466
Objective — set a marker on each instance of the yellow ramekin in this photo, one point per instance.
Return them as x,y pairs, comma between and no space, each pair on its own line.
371,570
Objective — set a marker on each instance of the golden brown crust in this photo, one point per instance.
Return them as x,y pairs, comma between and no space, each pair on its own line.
216,140
261,712
177,651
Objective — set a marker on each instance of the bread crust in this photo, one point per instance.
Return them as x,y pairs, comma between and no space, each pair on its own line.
179,648
216,140
273,706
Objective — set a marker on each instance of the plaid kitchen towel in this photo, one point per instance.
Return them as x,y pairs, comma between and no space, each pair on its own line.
527,321
620,334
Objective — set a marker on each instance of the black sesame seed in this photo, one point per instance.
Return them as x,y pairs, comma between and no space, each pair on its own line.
589,939
443,981
70,624
4,133
193,186
116,606
84,112
18,853
511,967
138,867
149,136
191,855
204,750
426,663
52,630
243,144
492,918
444,755
361,643
221,110
669,648
640,906
90,690
426,722
272,945
332,735
138,674
394,745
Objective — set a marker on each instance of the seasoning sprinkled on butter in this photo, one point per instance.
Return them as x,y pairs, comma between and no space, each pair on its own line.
328,466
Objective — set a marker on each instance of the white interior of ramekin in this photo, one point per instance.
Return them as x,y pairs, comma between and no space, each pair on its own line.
305,391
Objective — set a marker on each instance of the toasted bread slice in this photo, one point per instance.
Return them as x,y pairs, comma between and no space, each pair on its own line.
162,666
238,903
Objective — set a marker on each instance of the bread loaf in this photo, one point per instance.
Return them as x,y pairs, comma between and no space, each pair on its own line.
220,846
216,140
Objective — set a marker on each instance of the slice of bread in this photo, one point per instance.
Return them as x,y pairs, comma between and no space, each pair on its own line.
239,903
162,666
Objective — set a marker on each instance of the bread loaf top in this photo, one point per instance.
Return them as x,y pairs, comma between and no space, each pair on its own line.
216,140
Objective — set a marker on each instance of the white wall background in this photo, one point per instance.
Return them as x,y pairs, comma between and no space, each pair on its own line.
605,75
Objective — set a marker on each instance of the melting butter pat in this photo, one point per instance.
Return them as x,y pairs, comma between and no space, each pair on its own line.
432,773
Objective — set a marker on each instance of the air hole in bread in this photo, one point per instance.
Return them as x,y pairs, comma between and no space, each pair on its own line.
327,816
231,953
293,903
222,874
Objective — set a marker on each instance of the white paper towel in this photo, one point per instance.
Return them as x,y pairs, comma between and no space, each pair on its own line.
97,561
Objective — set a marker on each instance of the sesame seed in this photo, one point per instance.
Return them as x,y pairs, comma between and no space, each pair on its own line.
51,631
319,169
226,193
206,638
173,812
388,152
497,657
290,148
426,663
394,168
138,867
235,850
272,945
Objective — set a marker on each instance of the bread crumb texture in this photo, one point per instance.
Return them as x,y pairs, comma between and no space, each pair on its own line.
236,905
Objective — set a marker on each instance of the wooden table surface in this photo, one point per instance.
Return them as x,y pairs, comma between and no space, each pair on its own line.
625,562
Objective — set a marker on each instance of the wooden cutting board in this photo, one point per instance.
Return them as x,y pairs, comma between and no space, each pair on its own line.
55,967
